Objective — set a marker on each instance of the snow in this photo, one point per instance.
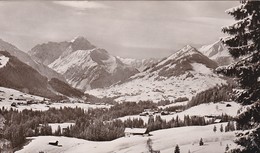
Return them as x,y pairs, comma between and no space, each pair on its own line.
201,68
79,57
3,61
174,104
139,64
45,107
164,140
135,130
156,88
110,64
210,109
185,51
8,96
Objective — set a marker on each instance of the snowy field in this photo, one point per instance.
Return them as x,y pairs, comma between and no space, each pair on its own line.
214,109
164,140
9,96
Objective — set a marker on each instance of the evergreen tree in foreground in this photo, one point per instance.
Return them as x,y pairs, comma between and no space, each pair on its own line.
243,43
177,149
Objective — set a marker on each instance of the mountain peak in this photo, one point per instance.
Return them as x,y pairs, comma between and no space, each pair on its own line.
81,43
78,38
187,48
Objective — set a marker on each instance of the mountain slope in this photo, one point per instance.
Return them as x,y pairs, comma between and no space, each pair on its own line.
17,75
83,65
48,52
139,64
183,74
217,52
22,56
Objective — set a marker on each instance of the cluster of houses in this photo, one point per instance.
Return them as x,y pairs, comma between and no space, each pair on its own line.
29,102
151,112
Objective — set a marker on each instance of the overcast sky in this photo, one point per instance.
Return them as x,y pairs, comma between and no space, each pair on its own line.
137,29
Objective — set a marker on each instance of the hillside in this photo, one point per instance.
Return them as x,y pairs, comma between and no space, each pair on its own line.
182,74
163,140
22,56
17,75
20,76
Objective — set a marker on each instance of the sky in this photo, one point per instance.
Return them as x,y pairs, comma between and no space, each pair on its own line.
134,29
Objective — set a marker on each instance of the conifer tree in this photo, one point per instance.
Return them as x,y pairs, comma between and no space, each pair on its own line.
243,44
221,128
214,128
201,143
177,149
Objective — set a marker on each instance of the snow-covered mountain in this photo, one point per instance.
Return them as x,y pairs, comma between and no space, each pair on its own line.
48,52
82,64
140,64
183,74
25,58
217,52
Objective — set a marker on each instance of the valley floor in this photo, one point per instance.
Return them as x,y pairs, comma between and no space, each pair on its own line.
164,140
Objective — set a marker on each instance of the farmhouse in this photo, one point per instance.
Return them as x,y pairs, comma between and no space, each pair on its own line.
136,131
217,121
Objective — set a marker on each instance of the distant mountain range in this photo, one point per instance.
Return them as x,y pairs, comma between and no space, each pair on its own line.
217,52
57,68
182,74
140,64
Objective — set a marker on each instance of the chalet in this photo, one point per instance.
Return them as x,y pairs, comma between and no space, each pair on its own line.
54,143
13,104
217,121
228,105
136,131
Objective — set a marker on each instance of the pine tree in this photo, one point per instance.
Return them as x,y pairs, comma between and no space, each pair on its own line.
244,45
221,128
227,147
201,143
177,149
214,128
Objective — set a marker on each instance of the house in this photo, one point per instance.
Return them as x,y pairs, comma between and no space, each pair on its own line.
136,131
54,143
217,121
13,104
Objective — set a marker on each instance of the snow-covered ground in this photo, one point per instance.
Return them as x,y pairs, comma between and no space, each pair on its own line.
9,96
164,140
214,109
174,104
3,61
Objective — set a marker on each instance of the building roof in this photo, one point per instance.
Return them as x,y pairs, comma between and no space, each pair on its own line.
135,130
217,121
